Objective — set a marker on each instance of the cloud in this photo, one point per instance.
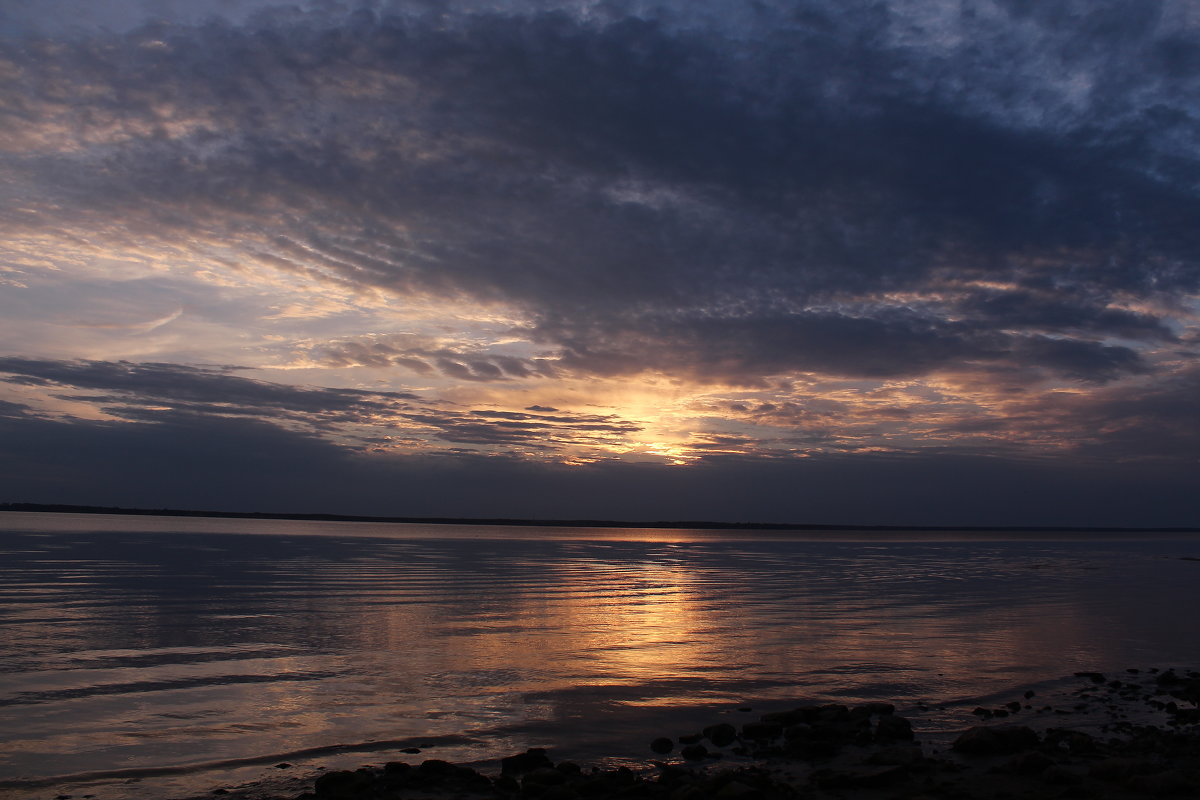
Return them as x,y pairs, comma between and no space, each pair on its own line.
177,382
591,230
625,173
749,350
170,394
424,355
223,463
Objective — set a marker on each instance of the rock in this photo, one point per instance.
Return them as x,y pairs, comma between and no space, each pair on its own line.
1013,706
1058,775
1169,782
662,745
1094,677
1166,678
982,713
1120,768
794,717
721,735
560,792
694,752
831,713
892,728
995,740
874,708
1074,741
896,755
736,790
691,738
340,783
800,730
864,777
762,730
531,759
543,776
690,791
814,748
671,775
436,766
1029,763
1189,691
396,767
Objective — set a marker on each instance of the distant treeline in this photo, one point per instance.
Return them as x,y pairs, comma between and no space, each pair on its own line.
58,508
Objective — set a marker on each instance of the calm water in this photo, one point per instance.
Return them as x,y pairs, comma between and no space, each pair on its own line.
147,654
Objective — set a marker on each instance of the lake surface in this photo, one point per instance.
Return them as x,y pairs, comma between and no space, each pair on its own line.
159,656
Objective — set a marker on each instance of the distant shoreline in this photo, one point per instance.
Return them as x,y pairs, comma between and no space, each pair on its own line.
59,508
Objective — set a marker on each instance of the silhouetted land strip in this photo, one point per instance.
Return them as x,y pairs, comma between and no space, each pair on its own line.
55,508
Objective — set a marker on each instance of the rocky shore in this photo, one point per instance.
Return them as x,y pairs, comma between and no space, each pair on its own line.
1147,746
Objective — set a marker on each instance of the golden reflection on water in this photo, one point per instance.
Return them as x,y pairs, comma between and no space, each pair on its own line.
215,647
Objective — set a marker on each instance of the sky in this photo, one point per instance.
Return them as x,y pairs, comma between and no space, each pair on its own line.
916,262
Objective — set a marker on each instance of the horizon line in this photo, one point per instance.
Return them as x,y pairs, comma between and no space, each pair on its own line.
68,508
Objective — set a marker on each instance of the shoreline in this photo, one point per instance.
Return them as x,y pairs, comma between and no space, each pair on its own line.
1137,735
1125,735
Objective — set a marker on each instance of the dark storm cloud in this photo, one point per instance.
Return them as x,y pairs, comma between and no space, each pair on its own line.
636,174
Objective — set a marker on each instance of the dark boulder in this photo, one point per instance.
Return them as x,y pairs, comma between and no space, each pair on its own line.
531,759
1031,762
543,776
721,735
891,728
800,730
996,740
1073,741
793,717
560,792
762,730
436,766
897,755
341,783
662,745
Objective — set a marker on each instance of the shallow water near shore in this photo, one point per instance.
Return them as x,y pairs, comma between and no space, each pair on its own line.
158,656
